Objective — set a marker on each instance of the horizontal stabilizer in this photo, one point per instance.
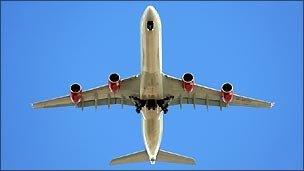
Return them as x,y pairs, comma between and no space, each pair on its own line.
140,156
166,156
162,156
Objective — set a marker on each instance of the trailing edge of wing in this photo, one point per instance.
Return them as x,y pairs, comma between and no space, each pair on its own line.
250,102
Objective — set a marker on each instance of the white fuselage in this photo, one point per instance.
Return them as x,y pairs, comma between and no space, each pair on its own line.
151,86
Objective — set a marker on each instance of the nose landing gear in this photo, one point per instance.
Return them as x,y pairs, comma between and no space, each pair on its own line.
150,25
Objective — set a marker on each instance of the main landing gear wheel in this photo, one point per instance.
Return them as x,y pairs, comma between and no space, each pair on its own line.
137,110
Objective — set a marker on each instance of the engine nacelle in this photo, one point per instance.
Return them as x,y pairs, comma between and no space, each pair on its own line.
188,82
114,82
227,92
75,93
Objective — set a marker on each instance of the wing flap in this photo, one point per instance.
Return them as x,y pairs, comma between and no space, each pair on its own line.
103,102
197,101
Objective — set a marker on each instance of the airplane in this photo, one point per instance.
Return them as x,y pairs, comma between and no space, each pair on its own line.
151,92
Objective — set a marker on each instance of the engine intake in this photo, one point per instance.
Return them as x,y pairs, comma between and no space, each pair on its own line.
75,93
114,82
188,82
227,92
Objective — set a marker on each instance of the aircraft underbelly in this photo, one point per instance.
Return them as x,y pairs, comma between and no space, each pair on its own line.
151,63
151,86
152,126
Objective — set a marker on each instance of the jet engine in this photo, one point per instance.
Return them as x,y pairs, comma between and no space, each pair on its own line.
188,82
75,93
114,82
227,92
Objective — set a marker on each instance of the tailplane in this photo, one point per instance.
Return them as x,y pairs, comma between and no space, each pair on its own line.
141,156
162,156
166,156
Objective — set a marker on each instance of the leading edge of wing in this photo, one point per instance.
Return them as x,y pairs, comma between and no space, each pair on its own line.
199,85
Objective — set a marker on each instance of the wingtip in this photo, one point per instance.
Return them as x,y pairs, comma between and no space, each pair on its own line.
272,104
33,106
192,162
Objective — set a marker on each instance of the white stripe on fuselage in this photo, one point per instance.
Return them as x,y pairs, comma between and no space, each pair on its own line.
151,86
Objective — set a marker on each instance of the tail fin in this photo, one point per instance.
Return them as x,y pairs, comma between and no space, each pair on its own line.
162,156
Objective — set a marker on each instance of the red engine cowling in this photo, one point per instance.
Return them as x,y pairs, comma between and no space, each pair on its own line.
114,82
75,93
227,92
188,82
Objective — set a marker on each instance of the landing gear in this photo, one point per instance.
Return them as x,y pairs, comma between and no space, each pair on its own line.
137,110
164,103
151,103
139,104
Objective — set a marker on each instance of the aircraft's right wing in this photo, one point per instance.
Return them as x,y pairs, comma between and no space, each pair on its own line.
202,95
98,96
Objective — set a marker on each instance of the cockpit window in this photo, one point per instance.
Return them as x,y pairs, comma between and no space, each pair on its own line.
150,25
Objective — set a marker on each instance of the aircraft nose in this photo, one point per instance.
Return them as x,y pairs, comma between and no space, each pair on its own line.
150,9
151,12
150,18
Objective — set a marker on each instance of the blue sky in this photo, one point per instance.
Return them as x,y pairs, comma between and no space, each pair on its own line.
46,46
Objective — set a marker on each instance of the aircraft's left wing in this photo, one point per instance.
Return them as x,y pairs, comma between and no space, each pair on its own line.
98,96
202,95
